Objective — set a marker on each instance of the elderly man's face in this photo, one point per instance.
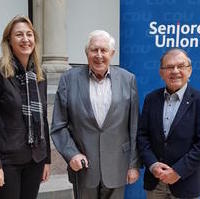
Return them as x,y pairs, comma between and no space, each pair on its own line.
99,56
175,70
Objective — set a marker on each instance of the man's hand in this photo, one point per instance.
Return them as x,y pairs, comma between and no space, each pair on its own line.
169,176
158,169
75,162
165,173
132,176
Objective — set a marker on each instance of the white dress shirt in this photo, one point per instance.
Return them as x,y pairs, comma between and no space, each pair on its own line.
100,96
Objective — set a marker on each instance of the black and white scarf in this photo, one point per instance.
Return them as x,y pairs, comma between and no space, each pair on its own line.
32,109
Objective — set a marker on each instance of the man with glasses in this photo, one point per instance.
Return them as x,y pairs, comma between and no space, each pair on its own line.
169,132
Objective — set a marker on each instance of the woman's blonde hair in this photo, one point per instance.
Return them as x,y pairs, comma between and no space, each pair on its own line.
6,67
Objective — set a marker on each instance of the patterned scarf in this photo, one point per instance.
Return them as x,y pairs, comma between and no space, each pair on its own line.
31,103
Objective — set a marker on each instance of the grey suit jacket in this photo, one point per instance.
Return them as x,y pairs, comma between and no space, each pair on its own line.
111,149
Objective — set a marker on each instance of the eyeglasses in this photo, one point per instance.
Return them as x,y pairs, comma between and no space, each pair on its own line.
172,67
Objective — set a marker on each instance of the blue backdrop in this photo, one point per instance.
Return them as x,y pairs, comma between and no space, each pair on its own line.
147,29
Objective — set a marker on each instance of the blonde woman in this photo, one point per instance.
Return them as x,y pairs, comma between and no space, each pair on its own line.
24,136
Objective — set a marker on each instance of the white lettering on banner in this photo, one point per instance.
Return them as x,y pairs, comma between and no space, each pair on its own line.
169,35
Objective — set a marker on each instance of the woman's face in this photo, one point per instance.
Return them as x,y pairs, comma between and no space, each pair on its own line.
22,40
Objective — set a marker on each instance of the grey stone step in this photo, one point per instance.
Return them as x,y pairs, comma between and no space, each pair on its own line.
57,187
65,194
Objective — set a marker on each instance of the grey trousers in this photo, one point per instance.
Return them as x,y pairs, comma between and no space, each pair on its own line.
100,192
162,191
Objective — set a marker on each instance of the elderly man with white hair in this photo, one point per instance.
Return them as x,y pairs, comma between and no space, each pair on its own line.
95,122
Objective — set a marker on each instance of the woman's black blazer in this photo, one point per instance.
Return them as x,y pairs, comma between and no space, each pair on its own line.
13,133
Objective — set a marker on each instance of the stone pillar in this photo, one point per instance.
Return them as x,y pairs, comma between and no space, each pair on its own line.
38,6
54,59
55,25
50,21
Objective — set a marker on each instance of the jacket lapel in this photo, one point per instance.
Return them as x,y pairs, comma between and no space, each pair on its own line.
83,83
15,83
115,87
85,95
159,108
185,104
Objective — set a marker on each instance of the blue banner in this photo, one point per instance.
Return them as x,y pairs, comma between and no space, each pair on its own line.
147,29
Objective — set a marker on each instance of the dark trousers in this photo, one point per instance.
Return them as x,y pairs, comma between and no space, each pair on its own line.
21,181
100,192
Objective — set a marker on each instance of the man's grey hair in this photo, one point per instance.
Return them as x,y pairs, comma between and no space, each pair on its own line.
102,33
175,50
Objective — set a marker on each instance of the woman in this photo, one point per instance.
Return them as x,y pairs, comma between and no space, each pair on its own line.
24,136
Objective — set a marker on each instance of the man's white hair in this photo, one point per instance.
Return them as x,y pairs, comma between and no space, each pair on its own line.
102,33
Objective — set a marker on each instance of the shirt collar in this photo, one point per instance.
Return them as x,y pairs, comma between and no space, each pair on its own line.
92,74
178,94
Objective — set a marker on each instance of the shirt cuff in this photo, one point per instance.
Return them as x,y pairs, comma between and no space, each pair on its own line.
151,167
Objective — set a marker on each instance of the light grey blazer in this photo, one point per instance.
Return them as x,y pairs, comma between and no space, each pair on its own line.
111,149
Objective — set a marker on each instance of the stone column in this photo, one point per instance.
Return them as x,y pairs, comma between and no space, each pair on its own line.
38,6
49,19
54,58
55,25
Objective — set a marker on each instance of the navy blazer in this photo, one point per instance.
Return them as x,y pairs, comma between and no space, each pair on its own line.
180,150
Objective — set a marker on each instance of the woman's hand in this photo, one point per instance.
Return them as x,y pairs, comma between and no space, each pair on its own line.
46,173
1,178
